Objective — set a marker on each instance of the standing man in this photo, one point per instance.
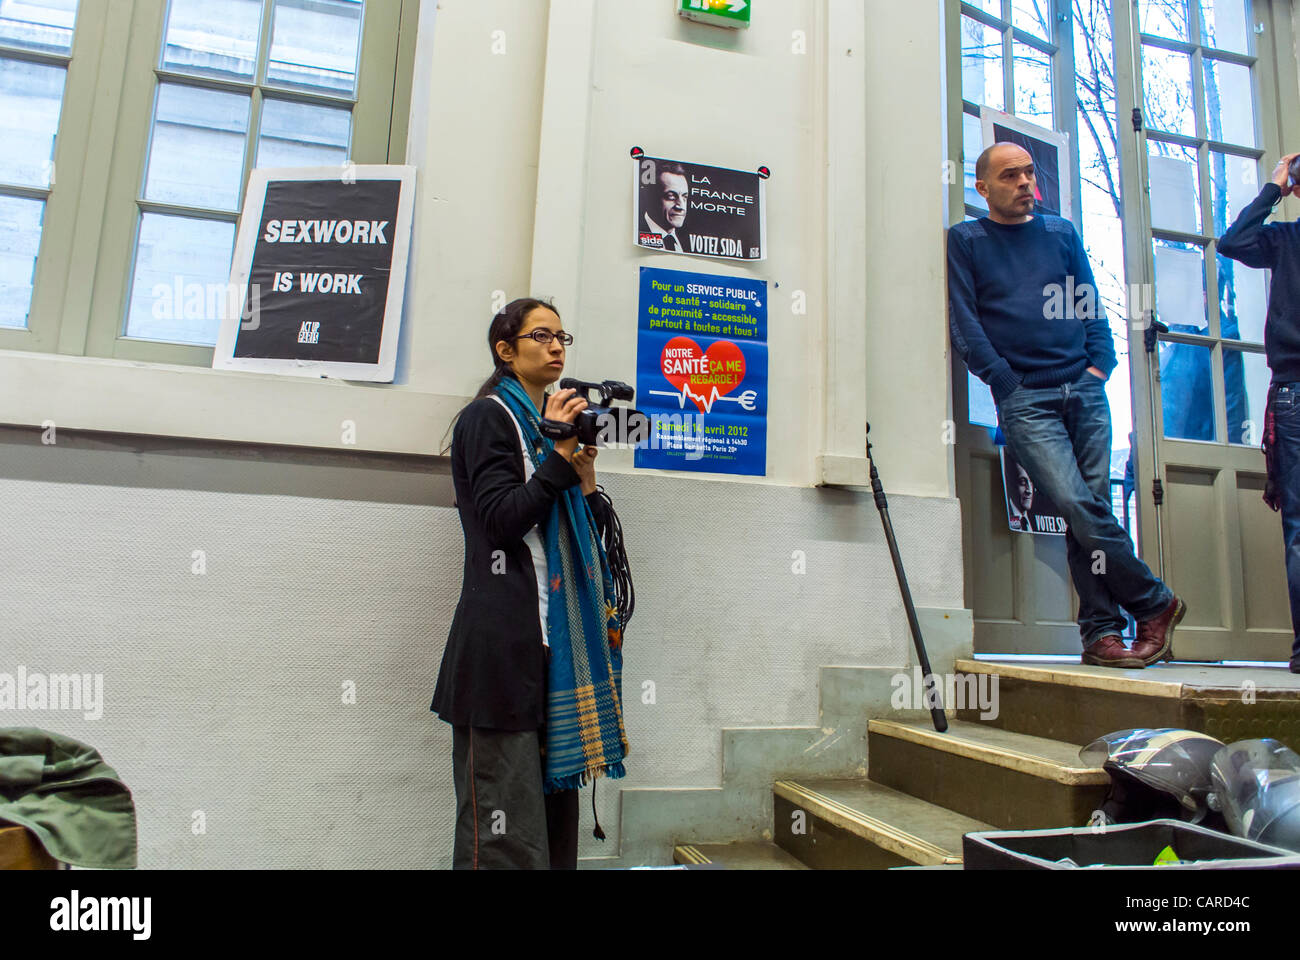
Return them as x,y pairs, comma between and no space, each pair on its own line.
1276,246
1024,315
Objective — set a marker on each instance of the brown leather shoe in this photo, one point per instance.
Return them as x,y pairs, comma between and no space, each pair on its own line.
1109,651
1155,637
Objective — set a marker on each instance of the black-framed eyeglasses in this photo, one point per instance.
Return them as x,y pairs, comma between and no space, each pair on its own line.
544,337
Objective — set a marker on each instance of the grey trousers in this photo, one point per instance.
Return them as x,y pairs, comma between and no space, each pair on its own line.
503,820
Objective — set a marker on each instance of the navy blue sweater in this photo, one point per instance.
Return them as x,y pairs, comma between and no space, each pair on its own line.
1023,305
1275,246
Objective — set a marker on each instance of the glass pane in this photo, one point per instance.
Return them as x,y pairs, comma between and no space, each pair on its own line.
1175,187
197,154
981,64
1223,25
215,38
314,45
302,135
972,145
1099,179
1164,18
1229,103
179,291
1180,287
1243,301
38,24
1234,183
1032,76
1246,378
1033,16
1167,91
988,6
1186,391
31,96
20,238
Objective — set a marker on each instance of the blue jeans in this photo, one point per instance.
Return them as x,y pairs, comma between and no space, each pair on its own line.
1286,411
1061,436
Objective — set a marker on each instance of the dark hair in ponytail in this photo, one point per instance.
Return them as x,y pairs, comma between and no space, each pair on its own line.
505,326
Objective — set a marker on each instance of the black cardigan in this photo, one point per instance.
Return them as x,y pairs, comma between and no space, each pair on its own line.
494,668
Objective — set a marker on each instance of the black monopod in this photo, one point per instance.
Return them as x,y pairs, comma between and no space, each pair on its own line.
933,694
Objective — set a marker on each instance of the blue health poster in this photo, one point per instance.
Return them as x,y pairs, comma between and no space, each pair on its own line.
701,372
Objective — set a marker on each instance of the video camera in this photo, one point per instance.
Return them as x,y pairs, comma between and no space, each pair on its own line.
601,424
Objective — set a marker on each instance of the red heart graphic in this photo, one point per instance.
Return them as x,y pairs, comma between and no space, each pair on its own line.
708,375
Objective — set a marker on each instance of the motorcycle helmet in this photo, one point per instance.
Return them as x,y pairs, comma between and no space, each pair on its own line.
1155,774
1257,786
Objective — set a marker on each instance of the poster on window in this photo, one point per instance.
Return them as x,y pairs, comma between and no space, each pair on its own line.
320,259
702,211
701,372
1029,510
1050,151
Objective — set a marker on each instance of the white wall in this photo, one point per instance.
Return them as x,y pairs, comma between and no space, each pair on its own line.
856,179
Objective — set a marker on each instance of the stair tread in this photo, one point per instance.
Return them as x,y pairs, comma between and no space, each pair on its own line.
1173,680
740,855
1036,756
892,819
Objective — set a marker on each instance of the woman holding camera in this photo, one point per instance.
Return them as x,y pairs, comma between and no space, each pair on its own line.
531,678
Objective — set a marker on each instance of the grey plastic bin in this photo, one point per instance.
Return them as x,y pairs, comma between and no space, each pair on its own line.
1125,846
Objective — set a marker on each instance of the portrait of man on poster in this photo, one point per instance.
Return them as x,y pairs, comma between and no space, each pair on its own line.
665,204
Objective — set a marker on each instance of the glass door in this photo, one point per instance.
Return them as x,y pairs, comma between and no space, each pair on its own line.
1197,80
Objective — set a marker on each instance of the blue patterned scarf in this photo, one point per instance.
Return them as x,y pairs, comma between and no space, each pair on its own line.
584,703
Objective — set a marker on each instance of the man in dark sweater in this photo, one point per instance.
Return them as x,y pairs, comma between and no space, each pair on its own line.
1276,246
1024,315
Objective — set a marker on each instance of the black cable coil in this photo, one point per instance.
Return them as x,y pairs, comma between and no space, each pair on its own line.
616,553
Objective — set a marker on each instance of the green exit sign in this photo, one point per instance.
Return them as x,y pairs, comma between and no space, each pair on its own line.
720,13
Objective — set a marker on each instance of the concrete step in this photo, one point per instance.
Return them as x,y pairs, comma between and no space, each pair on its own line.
741,855
1015,781
861,825
1077,703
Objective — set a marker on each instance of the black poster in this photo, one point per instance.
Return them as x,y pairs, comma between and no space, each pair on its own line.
321,260
1029,510
321,265
702,211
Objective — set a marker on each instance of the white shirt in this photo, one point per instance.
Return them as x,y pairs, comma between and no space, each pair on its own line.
533,537
681,247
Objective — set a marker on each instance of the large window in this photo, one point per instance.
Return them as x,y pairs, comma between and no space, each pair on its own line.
35,48
1052,62
241,84
182,99
1175,98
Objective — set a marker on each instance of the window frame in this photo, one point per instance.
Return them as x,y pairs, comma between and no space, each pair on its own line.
51,289
84,269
